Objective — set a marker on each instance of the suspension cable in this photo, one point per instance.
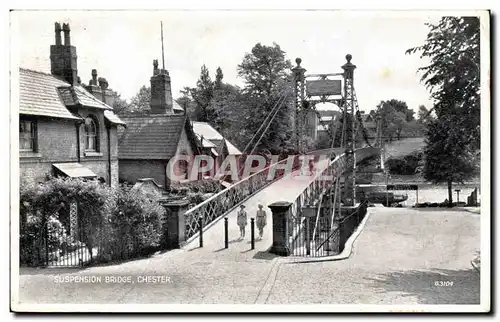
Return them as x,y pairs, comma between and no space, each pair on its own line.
283,98
274,111
281,93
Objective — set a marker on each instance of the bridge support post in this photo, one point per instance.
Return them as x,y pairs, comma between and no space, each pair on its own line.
280,228
175,222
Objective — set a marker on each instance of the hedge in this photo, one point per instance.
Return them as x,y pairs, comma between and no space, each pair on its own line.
111,219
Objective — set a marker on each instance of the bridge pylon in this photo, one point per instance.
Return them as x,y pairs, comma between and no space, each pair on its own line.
349,138
299,79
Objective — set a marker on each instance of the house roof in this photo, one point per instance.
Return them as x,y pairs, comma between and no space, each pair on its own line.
153,136
39,95
208,132
113,118
46,95
74,95
176,106
205,143
366,118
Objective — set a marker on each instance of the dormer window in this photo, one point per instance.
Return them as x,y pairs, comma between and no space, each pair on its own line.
91,134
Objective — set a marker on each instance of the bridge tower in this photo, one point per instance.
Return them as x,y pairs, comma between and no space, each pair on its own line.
349,140
324,88
298,73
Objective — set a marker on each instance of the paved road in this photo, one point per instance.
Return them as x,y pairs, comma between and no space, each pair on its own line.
396,260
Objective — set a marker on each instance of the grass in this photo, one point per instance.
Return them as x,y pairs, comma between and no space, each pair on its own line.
403,147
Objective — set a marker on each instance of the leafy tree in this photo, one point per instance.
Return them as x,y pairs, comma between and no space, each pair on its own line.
187,103
140,102
266,73
452,45
202,95
424,115
402,107
394,117
446,158
120,106
452,77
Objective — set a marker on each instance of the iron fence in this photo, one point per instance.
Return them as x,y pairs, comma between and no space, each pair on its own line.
68,241
321,235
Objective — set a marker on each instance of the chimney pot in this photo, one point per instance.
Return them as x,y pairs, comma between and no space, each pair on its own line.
93,81
103,83
66,30
155,66
58,33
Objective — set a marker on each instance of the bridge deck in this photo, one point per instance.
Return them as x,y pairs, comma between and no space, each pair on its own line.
285,189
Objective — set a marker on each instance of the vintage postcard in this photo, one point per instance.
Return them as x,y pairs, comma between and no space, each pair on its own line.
250,161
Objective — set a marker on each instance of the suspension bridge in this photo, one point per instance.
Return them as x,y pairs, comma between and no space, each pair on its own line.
310,215
319,210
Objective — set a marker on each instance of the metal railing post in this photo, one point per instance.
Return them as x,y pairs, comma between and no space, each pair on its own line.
252,232
226,233
308,246
201,231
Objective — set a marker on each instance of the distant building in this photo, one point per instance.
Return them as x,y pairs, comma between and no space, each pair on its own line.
327,122
65,129
214,144
151,140
369,123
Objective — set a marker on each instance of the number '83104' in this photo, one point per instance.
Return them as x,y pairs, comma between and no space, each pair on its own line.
443,283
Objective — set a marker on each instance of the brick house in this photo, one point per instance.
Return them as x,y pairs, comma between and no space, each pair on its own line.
66,128
149,142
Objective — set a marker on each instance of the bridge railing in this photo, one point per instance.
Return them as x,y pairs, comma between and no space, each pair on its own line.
226,200
312,194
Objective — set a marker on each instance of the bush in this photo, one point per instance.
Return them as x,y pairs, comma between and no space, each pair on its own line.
407,165
136,224
114,220
202,186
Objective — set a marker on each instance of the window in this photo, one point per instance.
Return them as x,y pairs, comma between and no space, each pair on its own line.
91,135
27,135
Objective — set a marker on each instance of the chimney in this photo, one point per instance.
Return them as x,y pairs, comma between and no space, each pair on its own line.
63,57
107,94
98,86
161,91
93,81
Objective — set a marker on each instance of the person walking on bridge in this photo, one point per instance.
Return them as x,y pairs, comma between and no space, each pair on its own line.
242,220
261,220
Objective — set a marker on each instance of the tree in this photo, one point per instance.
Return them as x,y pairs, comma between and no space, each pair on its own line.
424,115
188,103
446,159
202,95
452,77
452,45
120,106
140,101
218,79
394,115
266,73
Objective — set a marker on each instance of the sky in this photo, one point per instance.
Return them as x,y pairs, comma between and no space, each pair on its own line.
121,45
